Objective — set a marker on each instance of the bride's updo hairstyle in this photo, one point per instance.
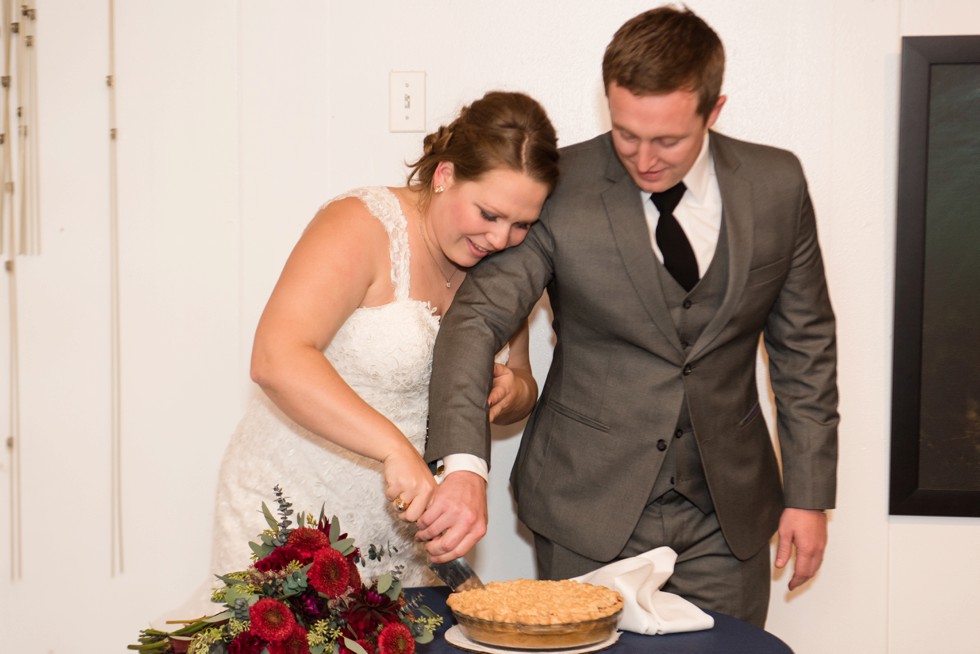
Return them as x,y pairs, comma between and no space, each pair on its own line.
500,130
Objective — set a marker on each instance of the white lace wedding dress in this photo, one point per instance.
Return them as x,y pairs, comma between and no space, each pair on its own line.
385,354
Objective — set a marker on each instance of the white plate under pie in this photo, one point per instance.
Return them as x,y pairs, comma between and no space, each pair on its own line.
456,638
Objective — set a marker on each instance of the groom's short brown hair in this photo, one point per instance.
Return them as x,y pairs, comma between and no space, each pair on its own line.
665,50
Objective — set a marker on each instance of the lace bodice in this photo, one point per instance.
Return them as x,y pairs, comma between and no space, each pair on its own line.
385,354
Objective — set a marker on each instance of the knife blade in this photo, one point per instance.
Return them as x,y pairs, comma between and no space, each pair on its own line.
457,574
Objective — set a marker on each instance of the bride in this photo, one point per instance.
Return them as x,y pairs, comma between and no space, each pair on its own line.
343,350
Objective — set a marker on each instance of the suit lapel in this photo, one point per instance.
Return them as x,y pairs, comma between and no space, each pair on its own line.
632,236
736,202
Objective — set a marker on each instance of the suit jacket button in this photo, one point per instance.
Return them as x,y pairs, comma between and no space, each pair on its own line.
687,304
688,369
661,445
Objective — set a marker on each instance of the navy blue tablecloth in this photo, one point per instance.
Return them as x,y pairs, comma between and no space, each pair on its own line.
728,636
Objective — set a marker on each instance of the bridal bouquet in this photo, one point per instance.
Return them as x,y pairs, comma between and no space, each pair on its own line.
303,595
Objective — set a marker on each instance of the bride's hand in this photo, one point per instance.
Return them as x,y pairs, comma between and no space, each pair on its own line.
409,484
513,394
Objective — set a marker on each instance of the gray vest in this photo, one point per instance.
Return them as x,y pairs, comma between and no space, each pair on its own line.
682,469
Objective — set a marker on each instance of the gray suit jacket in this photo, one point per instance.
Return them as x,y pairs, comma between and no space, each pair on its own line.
587,460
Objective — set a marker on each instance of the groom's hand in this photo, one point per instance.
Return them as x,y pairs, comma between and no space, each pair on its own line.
456,517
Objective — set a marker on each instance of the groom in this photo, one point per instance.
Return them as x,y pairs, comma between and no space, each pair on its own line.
667,250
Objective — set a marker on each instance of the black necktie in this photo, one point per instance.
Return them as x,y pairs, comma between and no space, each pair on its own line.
678,256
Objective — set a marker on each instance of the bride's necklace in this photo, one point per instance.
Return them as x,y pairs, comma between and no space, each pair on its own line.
428,248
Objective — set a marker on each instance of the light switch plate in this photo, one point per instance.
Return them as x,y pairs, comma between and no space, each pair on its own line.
406,101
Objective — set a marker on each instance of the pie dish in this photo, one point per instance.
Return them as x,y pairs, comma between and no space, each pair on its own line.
530,614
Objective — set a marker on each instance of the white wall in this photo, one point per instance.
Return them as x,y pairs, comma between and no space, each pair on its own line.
237,119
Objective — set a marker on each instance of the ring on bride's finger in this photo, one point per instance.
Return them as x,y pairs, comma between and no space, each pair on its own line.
400,504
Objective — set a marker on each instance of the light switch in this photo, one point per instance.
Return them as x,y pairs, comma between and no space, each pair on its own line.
406,101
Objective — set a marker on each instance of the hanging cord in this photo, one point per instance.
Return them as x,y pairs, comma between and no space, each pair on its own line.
30,224
8,239
116,549
7,31
19,221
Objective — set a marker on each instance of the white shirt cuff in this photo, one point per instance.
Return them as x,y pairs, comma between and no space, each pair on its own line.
460,462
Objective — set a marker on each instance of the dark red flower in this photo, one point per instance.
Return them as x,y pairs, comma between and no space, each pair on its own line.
329,573
395,638
308,540
367,612
271,620
361,621
246,643
281,557
310,603
295,643
355,576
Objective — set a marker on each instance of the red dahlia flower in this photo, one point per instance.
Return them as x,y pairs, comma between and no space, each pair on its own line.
295,643
395,638
271,620
308,540
329,573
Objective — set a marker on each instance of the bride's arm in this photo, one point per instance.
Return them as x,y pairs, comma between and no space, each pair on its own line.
514,390
339,264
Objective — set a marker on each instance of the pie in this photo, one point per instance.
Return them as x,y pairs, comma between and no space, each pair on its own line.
532,602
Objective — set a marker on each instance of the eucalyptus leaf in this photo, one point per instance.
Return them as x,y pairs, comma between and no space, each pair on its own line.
394,591
231,581
220,617
384,582
235,593
334,529
424,637
269,518
261,550
345,546
354,646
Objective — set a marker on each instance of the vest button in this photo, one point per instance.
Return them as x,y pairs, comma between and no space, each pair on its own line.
688,369
685,344
661,445
678,433
687,304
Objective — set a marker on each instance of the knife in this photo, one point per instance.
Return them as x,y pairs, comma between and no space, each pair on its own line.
457,574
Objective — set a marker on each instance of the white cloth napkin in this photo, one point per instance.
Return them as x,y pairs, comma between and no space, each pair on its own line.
647,609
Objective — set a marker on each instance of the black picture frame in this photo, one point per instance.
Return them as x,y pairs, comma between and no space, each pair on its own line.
935,439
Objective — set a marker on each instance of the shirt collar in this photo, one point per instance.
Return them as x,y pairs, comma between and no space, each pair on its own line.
699,177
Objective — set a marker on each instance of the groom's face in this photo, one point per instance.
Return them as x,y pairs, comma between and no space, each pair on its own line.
657,137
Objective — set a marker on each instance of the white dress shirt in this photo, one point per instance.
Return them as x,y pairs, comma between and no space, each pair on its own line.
698,213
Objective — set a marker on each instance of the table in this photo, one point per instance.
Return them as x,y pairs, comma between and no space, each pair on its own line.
728,636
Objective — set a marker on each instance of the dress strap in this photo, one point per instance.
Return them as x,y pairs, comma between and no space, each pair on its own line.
384,205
